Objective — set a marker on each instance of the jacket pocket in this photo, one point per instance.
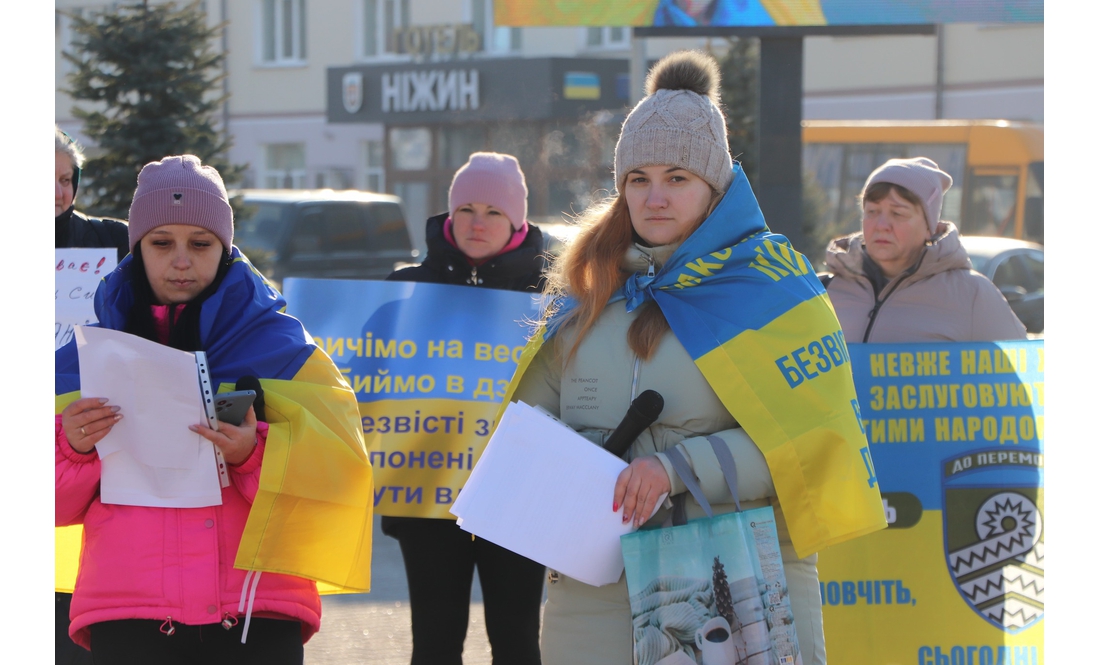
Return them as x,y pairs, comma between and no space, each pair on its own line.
123,555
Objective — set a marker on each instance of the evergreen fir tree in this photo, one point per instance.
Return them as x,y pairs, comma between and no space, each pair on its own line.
154,82
723,601
740,68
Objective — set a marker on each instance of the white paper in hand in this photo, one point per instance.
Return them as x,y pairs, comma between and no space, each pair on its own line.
150,457
545,492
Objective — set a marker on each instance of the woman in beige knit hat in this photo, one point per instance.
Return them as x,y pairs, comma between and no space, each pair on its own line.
906,276
680,202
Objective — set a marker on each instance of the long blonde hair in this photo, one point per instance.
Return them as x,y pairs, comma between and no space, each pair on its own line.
589,270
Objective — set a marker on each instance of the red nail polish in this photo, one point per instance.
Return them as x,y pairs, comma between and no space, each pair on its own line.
614,507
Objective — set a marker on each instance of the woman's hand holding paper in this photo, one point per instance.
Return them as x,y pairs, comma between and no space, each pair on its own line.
639,487
88,420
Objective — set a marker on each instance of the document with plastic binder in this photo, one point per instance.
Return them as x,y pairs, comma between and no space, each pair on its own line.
150,457
545,492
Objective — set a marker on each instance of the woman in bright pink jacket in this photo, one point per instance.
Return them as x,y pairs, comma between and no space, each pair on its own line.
156,584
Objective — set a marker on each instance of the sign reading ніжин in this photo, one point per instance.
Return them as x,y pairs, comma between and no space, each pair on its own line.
956,433
482,90
429,364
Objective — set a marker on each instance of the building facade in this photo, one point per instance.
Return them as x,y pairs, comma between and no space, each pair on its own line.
432,80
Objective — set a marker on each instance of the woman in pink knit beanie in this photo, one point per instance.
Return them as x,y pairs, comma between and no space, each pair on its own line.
165,579
483,240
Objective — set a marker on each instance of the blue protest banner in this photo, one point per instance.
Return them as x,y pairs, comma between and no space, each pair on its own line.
956,435
429,364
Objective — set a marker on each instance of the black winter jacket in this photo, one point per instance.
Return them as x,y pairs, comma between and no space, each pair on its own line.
75,229
518,270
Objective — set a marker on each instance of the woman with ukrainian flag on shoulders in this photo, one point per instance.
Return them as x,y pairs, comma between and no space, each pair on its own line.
682,248
228,583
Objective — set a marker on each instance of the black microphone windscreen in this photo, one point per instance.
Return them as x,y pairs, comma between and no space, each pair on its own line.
649,404
252,383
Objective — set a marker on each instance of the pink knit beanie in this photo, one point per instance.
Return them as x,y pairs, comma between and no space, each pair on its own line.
919,175
180,190
495,179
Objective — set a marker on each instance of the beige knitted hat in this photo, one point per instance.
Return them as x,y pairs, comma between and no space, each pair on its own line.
679,122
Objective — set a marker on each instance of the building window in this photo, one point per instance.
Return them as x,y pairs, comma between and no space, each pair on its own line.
284,166
283,31
411,148
374,167
381,21
606,38
493,39
457,143
333,177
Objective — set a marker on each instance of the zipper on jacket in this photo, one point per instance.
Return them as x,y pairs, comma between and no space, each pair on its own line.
473,279
634,380
171,315
879,302
649,272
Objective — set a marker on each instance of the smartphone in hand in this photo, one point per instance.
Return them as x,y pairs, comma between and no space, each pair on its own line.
232,407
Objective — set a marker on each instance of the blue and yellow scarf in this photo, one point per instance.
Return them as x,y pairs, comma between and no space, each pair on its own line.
754,317
312,516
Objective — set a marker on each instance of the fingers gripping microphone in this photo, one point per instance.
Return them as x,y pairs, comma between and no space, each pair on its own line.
252,383
642,413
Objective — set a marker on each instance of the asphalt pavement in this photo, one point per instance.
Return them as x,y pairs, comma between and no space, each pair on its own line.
375,628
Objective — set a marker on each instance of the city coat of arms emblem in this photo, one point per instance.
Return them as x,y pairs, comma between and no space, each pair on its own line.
353,92
993,535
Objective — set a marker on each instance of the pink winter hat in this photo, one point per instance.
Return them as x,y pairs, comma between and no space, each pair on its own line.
919,175
180,190
495,179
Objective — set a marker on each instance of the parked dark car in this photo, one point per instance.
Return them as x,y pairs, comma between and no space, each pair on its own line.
1016,268
325,233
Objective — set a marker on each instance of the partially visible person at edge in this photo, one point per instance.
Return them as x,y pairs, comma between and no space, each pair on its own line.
906,276
159,585
680,196
485,241
72,228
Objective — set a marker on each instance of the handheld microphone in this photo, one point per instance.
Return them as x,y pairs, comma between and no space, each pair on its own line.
642,413
252,383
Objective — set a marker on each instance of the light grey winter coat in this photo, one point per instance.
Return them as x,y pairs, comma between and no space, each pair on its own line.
592,625
940,299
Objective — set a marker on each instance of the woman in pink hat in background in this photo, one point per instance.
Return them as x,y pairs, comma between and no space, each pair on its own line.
483,240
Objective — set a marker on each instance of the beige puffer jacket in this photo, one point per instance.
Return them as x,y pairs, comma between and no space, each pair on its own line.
592,625
939,300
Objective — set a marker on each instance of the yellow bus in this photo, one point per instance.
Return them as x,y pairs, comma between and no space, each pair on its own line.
997,167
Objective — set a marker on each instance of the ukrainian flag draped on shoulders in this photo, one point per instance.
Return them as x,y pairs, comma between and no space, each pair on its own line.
754,317
312,516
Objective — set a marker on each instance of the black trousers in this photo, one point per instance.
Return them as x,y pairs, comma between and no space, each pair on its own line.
140,641
66,652
439,563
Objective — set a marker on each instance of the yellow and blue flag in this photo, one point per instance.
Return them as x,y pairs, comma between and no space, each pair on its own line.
312,516
754,317
582,85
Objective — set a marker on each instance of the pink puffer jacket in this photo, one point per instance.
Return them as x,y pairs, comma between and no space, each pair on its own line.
168,563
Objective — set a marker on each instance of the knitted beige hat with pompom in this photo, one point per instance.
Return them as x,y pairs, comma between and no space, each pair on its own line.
679,122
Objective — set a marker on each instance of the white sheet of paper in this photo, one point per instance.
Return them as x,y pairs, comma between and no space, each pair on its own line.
544,491
150,457
77,274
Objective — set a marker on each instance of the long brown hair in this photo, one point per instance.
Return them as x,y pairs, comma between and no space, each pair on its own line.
589,270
